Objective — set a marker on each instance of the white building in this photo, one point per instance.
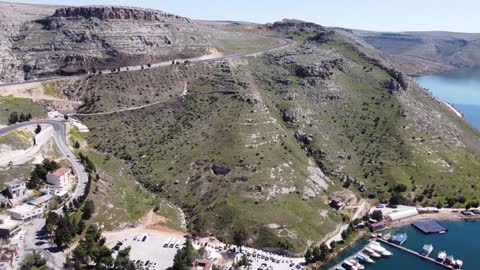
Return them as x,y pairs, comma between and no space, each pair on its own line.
42,201
9,227
25,212
16,188
402,214
59,177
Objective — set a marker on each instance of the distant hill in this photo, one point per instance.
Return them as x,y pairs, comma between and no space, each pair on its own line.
426,52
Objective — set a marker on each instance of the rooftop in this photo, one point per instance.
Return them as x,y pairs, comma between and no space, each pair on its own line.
201,264
7,222
23,208
14,182
59,172
40,200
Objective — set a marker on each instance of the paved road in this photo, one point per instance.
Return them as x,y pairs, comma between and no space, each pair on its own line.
60,135
284,43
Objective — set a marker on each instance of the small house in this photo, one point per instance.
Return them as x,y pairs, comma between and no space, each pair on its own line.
201,264
25,212
9,227
42,201
59,177
16,188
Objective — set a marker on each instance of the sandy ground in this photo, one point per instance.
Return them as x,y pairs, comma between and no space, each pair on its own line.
148,224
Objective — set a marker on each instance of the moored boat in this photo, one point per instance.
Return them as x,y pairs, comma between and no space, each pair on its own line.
356,264
458,264
349,266
399,239
426,250
366,258
450,260
441,256
371,252
379,249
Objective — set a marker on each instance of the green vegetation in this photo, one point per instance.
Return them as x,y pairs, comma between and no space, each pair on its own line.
39,175
91,253
34,262
23,106
237,152
184,257
52,89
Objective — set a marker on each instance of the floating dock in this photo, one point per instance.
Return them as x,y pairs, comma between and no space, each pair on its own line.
429,227
415,253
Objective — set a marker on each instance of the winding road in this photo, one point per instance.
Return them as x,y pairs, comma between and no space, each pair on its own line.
59,136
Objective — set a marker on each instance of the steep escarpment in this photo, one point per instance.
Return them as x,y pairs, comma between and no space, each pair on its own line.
79,40
426,52
255,147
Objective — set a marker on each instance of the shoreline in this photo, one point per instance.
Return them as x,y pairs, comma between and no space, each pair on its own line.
445,215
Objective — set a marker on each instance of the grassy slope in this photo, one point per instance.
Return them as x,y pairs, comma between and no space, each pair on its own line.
355,123
19,105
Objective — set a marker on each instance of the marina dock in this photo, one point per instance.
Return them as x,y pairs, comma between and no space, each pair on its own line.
414,253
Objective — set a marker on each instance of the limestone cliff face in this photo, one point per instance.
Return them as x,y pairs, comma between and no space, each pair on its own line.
117,13
77,40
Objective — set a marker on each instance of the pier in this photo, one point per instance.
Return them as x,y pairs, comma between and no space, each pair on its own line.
415,253
406,250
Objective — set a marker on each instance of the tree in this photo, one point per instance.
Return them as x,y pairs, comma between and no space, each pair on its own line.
316,253
51,222
13,118
308,255
38,129
178,263
122,261
80,226
33,261
22,118
462,199
474,204
64,233
239,237
76,145
395,199
29,116
323,252
377,215
400,188
88,209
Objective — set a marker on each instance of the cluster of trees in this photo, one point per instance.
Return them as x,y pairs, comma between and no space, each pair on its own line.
89,166
91,252
34,261
14,117
184,257
377,215
39,174
317,253
63,229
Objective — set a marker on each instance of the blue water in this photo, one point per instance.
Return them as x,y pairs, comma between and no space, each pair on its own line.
462,241
460,87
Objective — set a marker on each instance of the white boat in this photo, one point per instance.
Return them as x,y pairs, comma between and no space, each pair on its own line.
450,260
379,249
372,253
458,264
356,264
441,256
426,250
349,266
365,257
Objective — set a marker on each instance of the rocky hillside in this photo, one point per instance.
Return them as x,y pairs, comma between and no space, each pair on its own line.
426,52
12,19
255,147
77,40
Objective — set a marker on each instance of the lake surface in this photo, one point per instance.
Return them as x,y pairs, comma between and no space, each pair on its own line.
459,87
462,241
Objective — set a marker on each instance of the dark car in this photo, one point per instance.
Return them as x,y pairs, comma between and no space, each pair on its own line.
144,238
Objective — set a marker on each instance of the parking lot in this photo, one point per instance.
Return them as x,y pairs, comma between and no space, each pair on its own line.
150,250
